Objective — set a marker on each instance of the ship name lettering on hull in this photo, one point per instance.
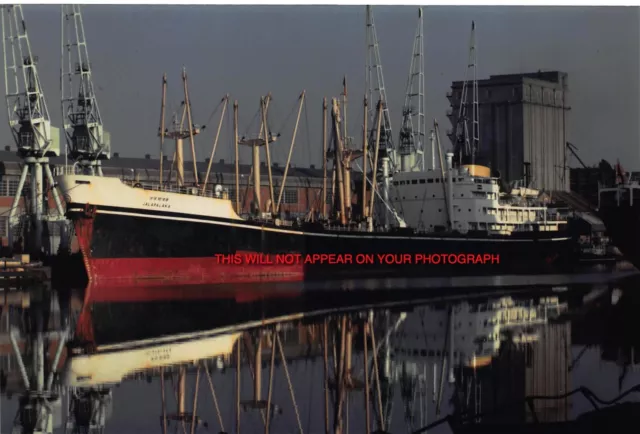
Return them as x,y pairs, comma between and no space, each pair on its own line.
157,202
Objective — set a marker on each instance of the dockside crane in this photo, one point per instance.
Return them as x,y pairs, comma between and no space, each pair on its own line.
87,141
574,150
466,143
88,410
412,133
374,83
34,136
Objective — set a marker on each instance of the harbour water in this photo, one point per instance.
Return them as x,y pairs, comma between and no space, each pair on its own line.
544,337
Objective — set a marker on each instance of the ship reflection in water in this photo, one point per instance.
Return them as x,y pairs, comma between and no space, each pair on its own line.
513,360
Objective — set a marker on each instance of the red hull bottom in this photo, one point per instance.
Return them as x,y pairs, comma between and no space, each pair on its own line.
186,271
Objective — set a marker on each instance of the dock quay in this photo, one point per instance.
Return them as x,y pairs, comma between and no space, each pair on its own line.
18,273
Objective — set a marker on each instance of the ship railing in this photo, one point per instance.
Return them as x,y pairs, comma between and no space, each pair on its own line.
339,228
274,221
542,216
187,190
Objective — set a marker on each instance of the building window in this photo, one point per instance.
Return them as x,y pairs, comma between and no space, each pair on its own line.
3,187
3,226
290,195
13,186
558,96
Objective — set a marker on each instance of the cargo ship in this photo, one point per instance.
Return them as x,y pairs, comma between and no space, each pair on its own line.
460,223
619,209
129,233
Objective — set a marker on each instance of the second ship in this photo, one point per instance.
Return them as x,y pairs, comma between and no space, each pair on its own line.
619,209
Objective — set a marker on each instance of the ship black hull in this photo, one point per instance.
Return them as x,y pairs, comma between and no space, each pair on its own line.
623,226
120,247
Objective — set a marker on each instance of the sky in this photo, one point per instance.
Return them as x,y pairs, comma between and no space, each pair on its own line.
248,51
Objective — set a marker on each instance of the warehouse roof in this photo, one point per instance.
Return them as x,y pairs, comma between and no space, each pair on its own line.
556,77
148,163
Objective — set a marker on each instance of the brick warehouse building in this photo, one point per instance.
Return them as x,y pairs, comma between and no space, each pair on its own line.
303,189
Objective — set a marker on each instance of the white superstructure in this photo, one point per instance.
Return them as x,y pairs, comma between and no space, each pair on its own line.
425,199
478,329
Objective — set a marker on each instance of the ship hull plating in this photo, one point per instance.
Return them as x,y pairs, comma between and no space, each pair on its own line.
623,226
126,246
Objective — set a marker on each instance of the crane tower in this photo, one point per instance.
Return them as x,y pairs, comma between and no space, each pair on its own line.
466,143
36,139
412,133
374,82
87,141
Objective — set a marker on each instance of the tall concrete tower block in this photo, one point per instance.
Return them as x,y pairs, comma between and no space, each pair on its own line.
522,126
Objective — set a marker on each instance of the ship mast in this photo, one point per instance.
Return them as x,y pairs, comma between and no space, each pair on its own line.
162,131
338,156
86,138
237,155
192,130
324,158
261,140
412,133
33,134
343,157
178,133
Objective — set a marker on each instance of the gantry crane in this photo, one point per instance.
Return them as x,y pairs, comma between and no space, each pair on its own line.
87,141
88,410
374,83
39,400
35,137
412,133
466,144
